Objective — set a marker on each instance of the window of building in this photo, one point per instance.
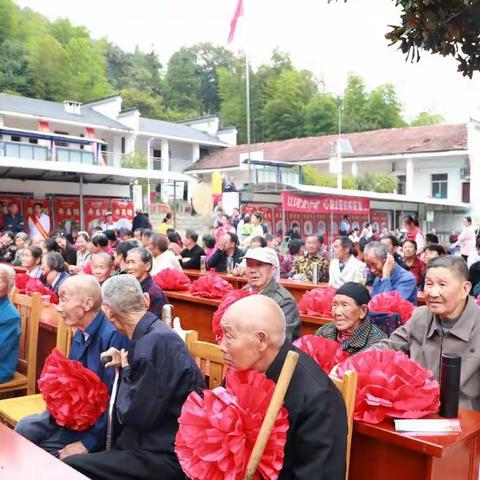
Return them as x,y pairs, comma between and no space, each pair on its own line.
466,192
59,143
439,185
122,147
15,138
402,185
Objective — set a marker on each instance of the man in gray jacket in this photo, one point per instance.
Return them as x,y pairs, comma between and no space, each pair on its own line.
261,267
449,323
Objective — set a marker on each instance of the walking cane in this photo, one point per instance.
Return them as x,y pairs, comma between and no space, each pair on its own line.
111,404
272,412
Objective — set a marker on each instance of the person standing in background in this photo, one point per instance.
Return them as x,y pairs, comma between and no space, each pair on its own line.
39,223
466,239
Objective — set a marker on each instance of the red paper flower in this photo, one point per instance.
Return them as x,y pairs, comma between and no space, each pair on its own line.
210,286
229,299
327,353
170,279
34,285
75,396
392,302
21,280
217,432
390,385
317,302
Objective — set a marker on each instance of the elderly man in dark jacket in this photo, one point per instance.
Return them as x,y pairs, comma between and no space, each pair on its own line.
317,433
94,334
262,264
157,376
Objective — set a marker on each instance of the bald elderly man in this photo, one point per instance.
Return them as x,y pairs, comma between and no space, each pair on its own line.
80,308
316,438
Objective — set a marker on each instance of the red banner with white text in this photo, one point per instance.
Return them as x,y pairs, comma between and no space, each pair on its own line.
95,211
67,213
291,202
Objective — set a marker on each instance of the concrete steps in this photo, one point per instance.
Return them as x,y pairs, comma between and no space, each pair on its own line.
201,224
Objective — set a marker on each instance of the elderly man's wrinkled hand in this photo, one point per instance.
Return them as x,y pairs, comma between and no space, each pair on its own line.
388,266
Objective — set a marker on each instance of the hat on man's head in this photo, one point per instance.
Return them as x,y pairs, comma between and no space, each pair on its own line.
138,210
108,213
264,255
356,291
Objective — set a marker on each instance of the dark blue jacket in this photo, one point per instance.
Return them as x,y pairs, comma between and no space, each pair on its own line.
157,297
402,281
13,223
160,376
9,336
101,336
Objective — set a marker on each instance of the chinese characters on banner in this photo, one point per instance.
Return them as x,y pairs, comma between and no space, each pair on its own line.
95,210
381,219
67,213
29,203
292,202
122,209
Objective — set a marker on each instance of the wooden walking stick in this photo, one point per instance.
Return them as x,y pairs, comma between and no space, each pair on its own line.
272,412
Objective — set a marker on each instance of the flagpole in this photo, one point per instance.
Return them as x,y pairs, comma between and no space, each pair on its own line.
247,97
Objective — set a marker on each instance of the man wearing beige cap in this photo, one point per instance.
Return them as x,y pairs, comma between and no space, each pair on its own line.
260,272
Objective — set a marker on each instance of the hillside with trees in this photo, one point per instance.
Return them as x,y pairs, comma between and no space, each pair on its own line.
55,60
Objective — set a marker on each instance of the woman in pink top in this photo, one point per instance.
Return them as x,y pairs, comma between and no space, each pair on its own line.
225,227
466,239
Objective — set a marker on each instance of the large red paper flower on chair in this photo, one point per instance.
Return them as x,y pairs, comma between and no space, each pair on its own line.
34,285
210,286
217,432
75,396
173,280
317,302
229,299
21,280
392,302
327,353
390,385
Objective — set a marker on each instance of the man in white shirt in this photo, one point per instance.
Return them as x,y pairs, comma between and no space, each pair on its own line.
162,257
108,223
39,223
345,267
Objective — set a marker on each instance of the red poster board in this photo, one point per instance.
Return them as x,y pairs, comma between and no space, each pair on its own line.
267,213
95,211
27,209
122,209
6,200
308,224
278,221
67,213
380,219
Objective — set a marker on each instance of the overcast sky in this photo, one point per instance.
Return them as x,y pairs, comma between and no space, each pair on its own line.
328,39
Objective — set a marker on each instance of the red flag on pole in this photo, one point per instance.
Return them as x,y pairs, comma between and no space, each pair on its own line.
233,24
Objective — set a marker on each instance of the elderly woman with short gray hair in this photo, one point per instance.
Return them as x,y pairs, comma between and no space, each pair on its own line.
139,263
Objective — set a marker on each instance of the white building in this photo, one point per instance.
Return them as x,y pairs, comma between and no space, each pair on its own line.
60,141
432,164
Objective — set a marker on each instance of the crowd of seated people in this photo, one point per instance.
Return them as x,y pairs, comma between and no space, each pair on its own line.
107,292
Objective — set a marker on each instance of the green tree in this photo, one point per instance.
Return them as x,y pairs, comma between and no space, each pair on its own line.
136,159
284,111
8,19
354,103
321,115
383,109
44,70
311,176
84,73
64,31
182,84
14,68
149,107
426,118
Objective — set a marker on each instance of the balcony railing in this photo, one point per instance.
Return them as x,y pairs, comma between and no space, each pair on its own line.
30,151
